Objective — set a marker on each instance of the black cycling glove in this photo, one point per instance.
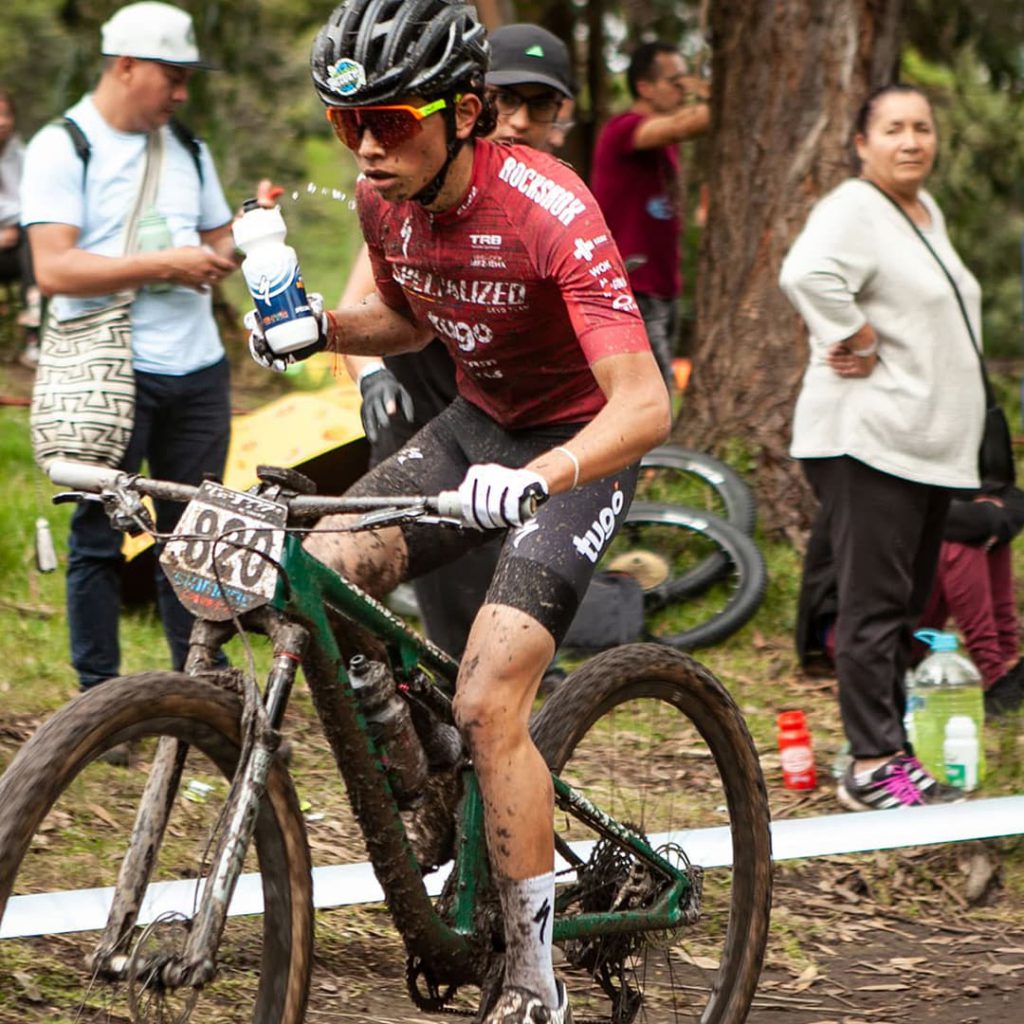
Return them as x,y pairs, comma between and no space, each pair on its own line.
383,397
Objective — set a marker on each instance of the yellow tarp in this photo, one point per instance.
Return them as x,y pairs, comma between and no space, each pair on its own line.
292,430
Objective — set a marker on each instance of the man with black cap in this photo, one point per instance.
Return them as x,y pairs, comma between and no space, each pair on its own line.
528,81
82,178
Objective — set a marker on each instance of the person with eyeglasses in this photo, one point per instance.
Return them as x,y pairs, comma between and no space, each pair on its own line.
528,82
635,178
502,252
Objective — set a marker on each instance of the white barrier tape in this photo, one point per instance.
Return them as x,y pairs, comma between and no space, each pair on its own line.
347,884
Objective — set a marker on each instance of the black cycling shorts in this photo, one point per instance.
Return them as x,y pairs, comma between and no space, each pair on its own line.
545,565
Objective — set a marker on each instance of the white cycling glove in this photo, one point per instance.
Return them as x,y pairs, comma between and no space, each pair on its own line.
493,497
261,351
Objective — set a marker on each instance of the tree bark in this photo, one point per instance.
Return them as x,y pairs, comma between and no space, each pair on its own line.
788,78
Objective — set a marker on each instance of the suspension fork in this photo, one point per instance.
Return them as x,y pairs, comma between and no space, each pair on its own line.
197,963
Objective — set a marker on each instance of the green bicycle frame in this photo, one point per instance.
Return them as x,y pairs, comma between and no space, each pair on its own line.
305,592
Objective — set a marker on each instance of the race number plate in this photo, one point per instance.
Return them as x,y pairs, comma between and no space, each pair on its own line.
221,561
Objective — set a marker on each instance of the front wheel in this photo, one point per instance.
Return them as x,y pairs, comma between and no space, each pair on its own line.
654,740
65,822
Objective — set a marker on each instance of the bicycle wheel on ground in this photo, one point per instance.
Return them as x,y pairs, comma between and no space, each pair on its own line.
655,740
660,545
683,476
680,476
65,821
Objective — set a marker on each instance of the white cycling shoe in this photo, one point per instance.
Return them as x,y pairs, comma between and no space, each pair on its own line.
520,1006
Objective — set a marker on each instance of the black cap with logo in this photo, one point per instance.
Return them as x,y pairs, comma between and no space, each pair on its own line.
525,54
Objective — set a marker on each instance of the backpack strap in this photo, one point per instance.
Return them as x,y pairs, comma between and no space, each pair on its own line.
78,140
83,149
188,139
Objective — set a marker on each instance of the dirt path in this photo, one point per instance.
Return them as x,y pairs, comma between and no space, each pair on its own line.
857,940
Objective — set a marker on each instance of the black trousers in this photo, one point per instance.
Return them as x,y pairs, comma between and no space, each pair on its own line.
885,534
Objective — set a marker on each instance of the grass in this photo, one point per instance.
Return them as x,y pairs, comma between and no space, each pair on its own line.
757,665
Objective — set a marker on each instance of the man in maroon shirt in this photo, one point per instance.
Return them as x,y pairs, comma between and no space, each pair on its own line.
502,253
635,181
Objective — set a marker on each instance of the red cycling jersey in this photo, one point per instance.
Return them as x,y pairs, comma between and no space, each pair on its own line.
521,280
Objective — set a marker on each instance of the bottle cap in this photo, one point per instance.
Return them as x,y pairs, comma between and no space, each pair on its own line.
937,641
791,720
258,224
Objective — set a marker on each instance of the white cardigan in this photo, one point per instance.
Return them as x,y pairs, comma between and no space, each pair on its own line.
919,414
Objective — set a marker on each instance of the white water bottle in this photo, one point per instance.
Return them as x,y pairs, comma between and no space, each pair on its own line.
960,752
272,273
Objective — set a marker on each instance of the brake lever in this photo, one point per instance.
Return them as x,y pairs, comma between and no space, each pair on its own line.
395,516
125,509
76,496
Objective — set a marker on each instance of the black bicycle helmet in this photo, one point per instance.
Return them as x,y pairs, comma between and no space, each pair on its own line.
379,51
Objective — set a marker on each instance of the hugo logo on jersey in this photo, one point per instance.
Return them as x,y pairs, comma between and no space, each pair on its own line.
592,543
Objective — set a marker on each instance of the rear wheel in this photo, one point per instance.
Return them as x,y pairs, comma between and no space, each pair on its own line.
655,741
65,822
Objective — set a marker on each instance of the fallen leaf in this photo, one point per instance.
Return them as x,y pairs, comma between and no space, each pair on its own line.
888,987
705,963
28,986
103,814
1004,968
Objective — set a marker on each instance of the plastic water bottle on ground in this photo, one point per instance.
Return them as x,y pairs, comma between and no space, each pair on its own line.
271,271
961,752
946,684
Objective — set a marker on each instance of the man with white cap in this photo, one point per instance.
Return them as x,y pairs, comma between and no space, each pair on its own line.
82,178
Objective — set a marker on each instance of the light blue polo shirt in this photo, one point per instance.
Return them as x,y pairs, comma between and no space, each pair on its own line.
173,332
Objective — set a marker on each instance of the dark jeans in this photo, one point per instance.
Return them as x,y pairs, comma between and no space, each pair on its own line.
661,318
885,534
182,426
16,264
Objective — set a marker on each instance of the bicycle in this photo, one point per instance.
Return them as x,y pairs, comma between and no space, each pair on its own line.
630,729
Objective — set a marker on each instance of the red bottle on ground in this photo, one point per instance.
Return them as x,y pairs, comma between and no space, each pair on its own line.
798,771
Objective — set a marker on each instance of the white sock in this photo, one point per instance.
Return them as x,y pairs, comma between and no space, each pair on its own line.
529,909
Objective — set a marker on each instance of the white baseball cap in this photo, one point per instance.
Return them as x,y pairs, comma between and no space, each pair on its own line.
152,31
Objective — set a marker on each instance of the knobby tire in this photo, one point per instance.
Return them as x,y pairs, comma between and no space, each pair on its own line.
207,717
654,739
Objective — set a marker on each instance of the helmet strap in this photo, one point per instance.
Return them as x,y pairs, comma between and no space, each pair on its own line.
432,189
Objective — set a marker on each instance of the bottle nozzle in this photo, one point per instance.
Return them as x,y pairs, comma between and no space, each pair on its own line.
250,204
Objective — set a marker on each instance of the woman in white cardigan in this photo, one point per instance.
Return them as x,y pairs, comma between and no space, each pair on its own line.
887,423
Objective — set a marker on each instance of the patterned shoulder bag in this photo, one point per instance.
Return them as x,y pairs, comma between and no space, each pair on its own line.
83,401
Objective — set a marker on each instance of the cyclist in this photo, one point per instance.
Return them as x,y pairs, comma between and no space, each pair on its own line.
529,79
502,252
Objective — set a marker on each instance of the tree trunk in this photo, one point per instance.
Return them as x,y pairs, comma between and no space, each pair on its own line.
788,78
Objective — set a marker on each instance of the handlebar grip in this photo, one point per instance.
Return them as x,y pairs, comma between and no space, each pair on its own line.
82,476
449,505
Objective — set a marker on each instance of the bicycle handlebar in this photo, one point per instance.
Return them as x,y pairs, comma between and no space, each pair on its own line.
83,476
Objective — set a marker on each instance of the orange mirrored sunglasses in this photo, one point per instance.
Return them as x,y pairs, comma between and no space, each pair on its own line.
389,125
